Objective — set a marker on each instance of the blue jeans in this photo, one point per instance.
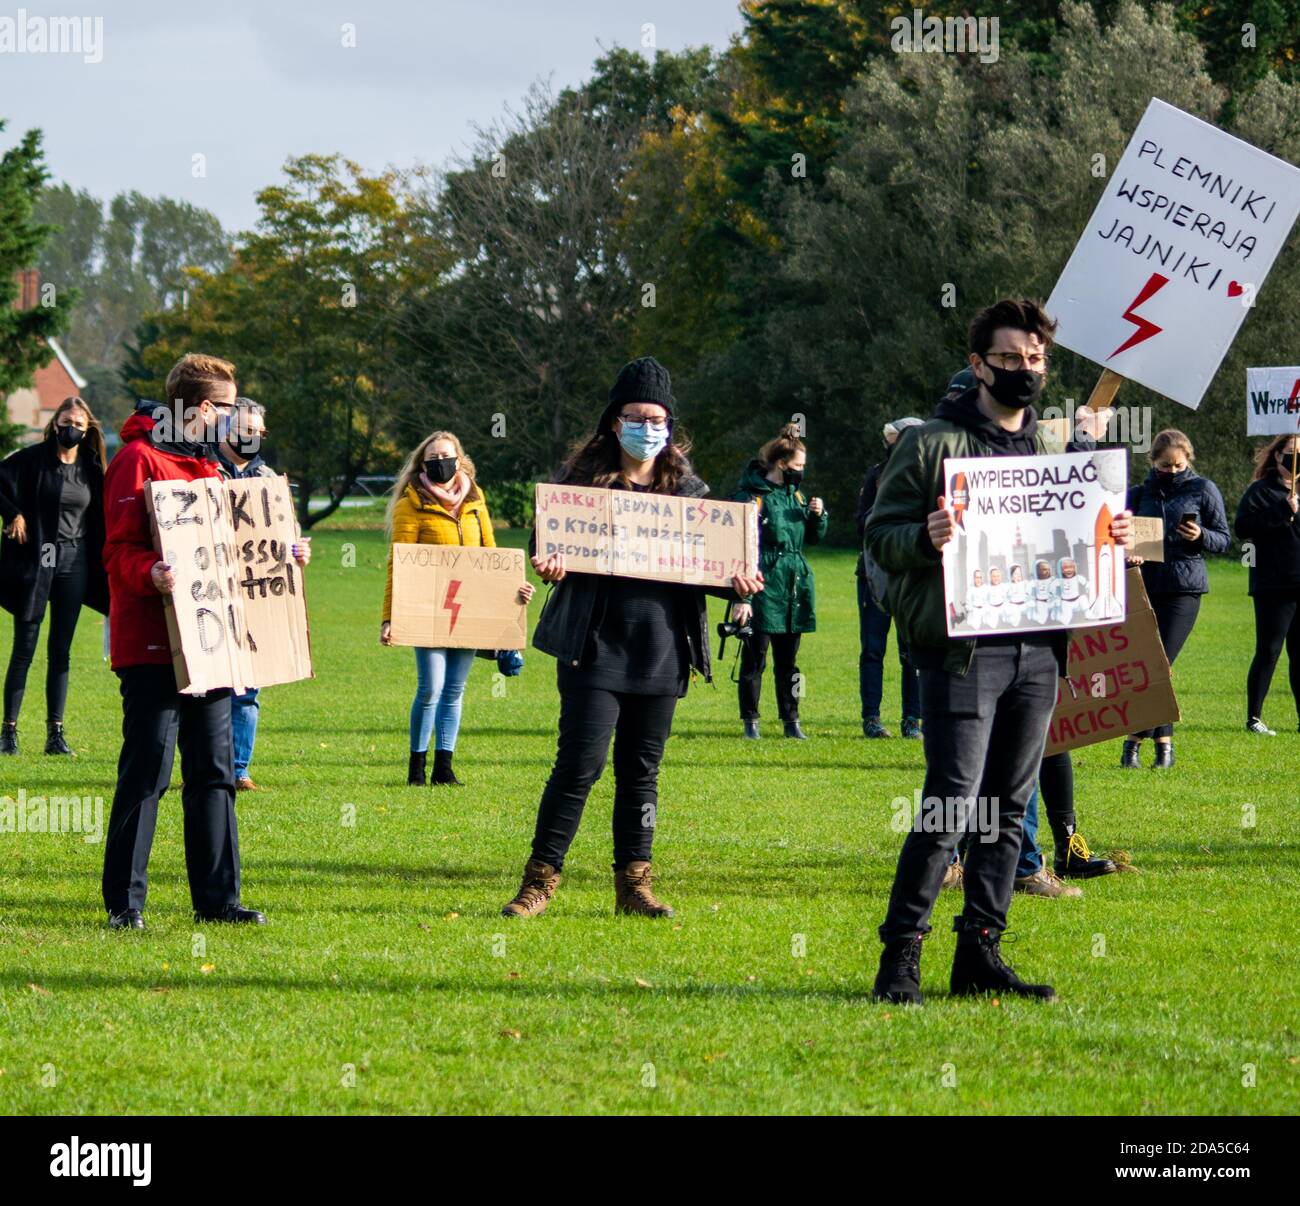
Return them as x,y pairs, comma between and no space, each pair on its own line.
439,694
1031,858
873,632
243,729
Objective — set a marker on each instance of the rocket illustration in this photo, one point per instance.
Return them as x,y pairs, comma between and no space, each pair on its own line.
1107,565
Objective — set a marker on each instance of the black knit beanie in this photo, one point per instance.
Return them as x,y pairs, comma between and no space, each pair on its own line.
643,380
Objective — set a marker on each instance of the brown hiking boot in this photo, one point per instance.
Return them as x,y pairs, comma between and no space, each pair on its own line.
632,892
1044,883
954,877
540,882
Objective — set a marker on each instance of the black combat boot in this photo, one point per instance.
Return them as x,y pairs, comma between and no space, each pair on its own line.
9,738
978,967
443,775
415,770
54,743
898,982
1128,758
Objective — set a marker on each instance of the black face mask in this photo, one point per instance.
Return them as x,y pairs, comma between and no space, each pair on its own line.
1167,477
69,436
440,469
246,445
792,477
1015,388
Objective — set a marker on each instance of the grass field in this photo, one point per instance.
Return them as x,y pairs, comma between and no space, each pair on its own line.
387,982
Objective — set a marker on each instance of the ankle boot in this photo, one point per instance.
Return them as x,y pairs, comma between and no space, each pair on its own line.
539,885
415,770
978,967
1164,755
9,738
54,743
898,982
1073,858
632,894
443,775
1128,759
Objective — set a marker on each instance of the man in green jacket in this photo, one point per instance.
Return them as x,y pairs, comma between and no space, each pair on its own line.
985,702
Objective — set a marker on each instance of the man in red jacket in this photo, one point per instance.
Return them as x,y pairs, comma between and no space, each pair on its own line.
155,716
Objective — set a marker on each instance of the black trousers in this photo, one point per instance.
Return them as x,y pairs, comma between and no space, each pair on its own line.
1277,622
155,717
67,593
984,735
1176,617
589,718
1056,790
753,661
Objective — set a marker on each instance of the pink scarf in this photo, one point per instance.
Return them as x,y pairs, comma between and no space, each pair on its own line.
451,496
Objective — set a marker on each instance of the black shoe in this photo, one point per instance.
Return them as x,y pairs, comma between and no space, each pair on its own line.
8,739
792,729
751,730
1164,755
1128,758
443,775
415,770
871,727
234,914
54,743
912,727
127,919
1075,861
977,967
898,982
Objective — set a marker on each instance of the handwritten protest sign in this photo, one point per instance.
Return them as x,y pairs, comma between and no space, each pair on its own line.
1118,680
265,527
1272,401
1175,253
238,615
1148,538
448,596
1033,550
205,613
697,541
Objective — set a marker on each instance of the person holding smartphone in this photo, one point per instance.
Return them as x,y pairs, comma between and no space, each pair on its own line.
1195,524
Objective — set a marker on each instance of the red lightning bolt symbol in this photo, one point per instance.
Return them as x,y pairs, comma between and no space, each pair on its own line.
1291,401
450,603
1145,327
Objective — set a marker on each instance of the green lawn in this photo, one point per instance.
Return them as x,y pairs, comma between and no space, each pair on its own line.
386,981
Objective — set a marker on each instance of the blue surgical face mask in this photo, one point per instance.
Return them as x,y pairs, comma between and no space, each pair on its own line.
641,441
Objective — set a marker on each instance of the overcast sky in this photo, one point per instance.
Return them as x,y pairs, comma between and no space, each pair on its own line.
247,83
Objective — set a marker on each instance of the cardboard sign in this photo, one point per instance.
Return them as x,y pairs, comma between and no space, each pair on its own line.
695,541
1148,538
205,612
265,526
450,596
1033,550
1175,253
1118,680
1272,401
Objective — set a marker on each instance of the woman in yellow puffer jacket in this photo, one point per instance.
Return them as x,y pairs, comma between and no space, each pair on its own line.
437,501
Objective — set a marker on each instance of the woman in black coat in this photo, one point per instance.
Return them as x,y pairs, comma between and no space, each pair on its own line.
52,504
1195,524
1266,520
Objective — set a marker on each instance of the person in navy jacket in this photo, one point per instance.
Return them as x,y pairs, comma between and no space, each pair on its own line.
1195,524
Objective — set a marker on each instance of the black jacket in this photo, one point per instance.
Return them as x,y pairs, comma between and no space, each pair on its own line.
1183,569
566,617
1264,518
31,486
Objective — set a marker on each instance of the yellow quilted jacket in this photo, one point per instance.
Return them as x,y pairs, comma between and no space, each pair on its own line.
417,520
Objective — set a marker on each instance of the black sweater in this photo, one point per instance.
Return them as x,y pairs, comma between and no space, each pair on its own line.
1264,518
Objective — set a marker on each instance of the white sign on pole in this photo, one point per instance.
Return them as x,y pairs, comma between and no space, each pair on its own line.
1033,550
1272,401
1175,253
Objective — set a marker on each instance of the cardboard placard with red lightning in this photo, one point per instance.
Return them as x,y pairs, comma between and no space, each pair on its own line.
451,596
694,541
1272,401
1033,551
1175,253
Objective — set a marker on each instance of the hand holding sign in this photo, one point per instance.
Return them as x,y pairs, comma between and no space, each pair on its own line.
549,569
941,525
164,580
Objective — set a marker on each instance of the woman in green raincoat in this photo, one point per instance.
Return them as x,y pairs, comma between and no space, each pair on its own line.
783,612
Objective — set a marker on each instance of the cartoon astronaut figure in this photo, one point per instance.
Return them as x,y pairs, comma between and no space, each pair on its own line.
1069,591
1017,596
975,597
995,600
1042,593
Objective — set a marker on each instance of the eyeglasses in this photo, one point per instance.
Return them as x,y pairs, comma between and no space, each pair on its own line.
1037,361
636,423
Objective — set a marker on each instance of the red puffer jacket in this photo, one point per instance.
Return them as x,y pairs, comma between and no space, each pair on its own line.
137,626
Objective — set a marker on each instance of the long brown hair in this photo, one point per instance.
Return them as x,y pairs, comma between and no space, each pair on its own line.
92,443
1171,437
1264,457
782,447
415,463
596,459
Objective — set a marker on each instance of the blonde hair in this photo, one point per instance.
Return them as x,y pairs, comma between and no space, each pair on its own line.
414,464
1171,437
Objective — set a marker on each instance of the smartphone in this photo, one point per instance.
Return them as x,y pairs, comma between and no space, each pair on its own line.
1190,517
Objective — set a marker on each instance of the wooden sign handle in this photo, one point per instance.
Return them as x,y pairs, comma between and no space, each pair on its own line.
1103,393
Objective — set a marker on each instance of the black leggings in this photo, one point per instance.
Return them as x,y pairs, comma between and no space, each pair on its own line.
753,661
1175,617
589,717
1056,790
1277,622
67,593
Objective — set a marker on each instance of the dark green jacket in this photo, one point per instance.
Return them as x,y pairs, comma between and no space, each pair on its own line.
785,525
897,538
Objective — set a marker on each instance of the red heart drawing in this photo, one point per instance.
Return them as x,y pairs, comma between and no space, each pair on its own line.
1234,289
